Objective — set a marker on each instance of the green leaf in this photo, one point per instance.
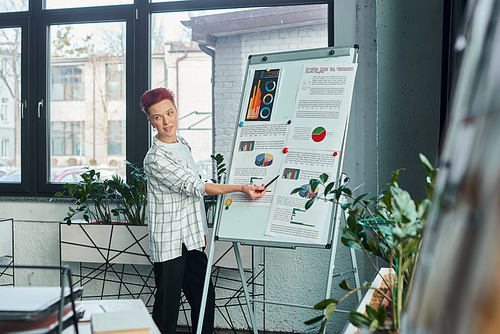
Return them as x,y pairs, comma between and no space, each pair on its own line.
352,221
296,190
373,325
359,198
328,188
346,191
407,264
352,244
344,285
314,184
398,232
310,202
359,320
382,314
427,165
371,311
374,247
345,206
330,308
314,320
323,177
324,303
411,246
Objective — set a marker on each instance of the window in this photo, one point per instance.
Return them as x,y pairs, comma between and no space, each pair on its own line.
116,138
115,81
11,91
56,4
13,6
72,73
86,129
5,148
67,139
3,66
67,83
205,55
4,110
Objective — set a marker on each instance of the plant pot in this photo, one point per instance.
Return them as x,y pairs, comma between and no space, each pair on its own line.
104,243
370,299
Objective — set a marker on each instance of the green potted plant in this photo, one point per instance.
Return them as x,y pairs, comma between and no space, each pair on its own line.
211,200
113,228
110,200
389,226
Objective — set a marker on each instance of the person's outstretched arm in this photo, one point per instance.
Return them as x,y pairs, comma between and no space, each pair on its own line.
252,191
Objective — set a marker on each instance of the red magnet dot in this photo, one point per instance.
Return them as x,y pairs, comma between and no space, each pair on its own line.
335,154
285,150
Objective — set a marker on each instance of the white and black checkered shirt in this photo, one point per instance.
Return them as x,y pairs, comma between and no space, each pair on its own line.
173,203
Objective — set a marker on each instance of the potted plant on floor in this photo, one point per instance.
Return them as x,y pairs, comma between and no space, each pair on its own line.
389,226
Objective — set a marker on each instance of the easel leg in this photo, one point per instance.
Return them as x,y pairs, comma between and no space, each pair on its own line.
356,273
245,287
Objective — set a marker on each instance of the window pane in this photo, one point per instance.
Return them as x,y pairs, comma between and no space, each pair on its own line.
87,100
56,4
10,105
187,45
7,6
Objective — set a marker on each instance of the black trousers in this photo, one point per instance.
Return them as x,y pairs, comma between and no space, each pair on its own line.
186,272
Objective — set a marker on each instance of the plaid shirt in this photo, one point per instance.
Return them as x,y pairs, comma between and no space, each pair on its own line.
173,203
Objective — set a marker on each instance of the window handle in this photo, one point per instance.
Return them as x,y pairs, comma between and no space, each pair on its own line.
23,105
40,105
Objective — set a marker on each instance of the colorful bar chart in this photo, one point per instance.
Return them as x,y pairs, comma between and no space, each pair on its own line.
246,146
291,173
254,105
260,104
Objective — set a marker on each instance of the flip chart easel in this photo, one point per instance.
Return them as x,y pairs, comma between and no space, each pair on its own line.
302,99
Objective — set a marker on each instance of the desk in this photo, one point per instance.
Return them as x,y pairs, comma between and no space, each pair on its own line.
106,305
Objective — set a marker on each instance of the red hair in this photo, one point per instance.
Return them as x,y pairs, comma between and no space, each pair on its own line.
154,96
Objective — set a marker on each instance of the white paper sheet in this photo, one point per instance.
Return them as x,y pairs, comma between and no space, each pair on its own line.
257,157
321,107
288,217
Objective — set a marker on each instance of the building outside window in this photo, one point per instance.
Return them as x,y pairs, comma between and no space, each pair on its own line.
4,110
5,148
115,81
67,83
3,66
116,138
67,139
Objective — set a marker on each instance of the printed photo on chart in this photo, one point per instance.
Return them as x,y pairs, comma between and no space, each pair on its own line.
288,217
263,93
322,106
257,156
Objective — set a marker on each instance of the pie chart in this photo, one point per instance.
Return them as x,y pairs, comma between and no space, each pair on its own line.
264,160
318,134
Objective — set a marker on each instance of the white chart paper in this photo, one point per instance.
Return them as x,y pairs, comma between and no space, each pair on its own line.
321,107
257,157
288,217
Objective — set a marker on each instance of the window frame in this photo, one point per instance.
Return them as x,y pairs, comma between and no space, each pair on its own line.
35,141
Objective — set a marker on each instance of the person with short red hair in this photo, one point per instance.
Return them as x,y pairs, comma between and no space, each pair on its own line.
177,223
